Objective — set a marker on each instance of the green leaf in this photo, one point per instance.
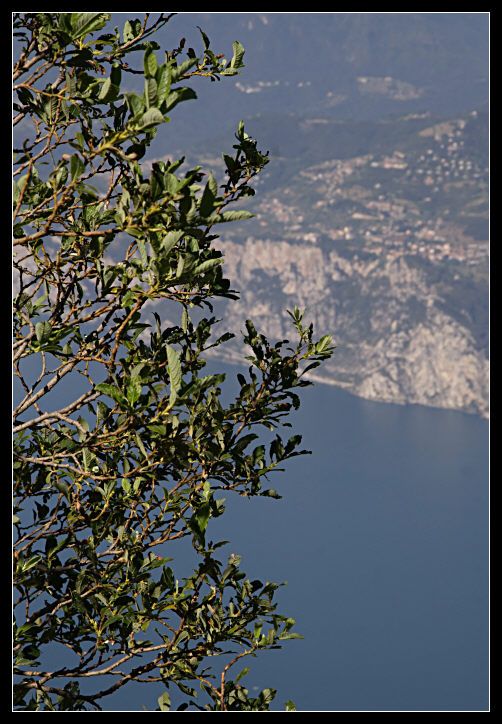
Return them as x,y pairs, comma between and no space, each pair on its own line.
128,32
236,215
200,519
207,202
243,442
116,75
167,577
290,705
181,69
88,458
111,391
84,23
163,78
231,216
158,429
271,493
213,184
242,674
205,39
30,653
184,320
268,695
180,267
19,186
108,91
43,331
206,266
141,446
169,242
288,636
150,63
50,110
171,183
142,252
164,702
238,55
76,167
62,487
31,562
174,369
323,343
151,118
58,179
65,22
136,104
137,370
133,391
178,96
150,92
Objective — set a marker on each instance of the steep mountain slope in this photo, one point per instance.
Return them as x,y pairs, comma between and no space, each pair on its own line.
387,251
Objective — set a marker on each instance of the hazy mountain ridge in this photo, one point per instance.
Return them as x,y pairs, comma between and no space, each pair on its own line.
348,65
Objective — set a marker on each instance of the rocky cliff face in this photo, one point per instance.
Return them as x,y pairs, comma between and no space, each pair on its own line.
379,231
396,341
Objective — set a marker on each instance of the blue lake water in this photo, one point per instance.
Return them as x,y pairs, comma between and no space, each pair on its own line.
382,535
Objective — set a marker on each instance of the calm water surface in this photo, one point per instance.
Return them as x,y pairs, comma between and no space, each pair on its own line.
382,537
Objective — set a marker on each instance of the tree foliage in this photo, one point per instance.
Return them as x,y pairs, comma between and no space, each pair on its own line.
122,445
